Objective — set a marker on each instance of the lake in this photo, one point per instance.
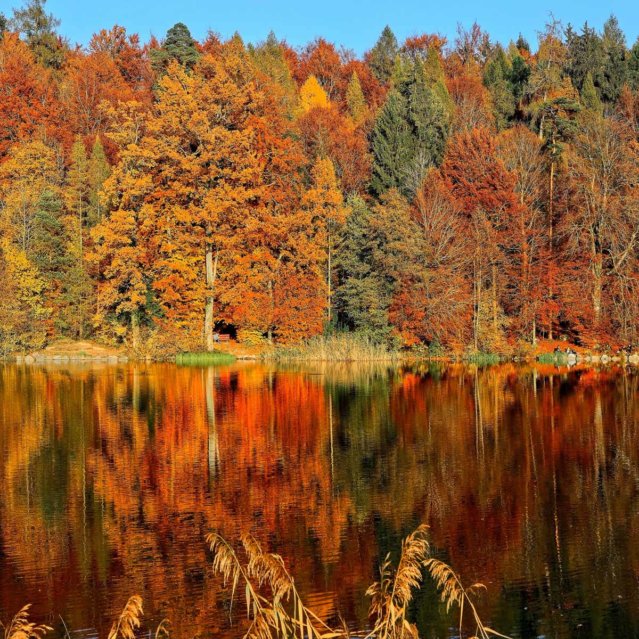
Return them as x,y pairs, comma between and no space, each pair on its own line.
528,476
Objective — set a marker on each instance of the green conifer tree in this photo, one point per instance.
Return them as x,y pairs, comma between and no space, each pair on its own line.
77,193
496,76
633,66
178,45
363,294
590,97
615,65
391,143
381,57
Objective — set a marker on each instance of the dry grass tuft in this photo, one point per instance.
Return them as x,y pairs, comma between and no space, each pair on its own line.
452,592
21,628
391,595
129,620
273,604
275,609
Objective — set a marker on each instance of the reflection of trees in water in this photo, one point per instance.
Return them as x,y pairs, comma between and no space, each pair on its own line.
529,477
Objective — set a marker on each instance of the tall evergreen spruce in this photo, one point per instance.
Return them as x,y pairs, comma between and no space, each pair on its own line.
410,132
381,57
362,296
615,64
391,144
633,66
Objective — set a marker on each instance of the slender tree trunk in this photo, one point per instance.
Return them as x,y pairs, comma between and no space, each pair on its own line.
551,273
269,332
495,306
135,330
211,276
597,273
477,300
328,280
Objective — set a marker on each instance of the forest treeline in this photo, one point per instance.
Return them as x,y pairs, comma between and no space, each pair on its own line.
460,195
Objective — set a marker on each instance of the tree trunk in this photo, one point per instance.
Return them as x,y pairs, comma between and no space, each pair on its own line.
495,306
328,280
597,273
551,274
135,330
211,276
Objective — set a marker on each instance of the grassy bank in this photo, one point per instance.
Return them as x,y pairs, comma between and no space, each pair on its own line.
204,358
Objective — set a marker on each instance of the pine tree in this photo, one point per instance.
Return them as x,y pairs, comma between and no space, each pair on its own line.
77,193
355,100
97,173
178,45
615,65
590,97
430,127
381,57
39,31
50,254
585,54
362,296
496,75
633,66
519,78
391,143
410,131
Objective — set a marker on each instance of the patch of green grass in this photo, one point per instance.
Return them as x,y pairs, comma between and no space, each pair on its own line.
204,359
482,359
552,358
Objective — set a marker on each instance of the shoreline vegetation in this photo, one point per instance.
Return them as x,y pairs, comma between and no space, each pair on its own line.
274,609
339,347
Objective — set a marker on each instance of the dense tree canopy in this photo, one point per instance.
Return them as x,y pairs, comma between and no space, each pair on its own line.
471,195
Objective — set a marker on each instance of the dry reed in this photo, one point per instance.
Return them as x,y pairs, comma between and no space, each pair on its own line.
129,620
21,628
275,609
283,613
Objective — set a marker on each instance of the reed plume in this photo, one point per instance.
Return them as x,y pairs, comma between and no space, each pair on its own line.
129,620
453,592
282,613
391,595
21,628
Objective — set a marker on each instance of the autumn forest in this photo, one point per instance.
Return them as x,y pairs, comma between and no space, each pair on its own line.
456,195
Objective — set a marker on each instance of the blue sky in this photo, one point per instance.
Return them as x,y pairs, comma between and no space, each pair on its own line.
354,24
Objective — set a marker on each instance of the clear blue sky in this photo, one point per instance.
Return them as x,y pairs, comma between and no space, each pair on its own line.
355,24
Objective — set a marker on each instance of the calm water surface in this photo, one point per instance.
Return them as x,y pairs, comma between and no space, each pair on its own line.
111,477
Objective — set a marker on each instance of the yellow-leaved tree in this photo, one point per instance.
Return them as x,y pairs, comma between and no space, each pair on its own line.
312,95
22,310
324,204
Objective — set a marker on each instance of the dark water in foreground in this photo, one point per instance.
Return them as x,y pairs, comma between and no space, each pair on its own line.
111,476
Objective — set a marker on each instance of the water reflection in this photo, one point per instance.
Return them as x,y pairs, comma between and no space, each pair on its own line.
529,477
